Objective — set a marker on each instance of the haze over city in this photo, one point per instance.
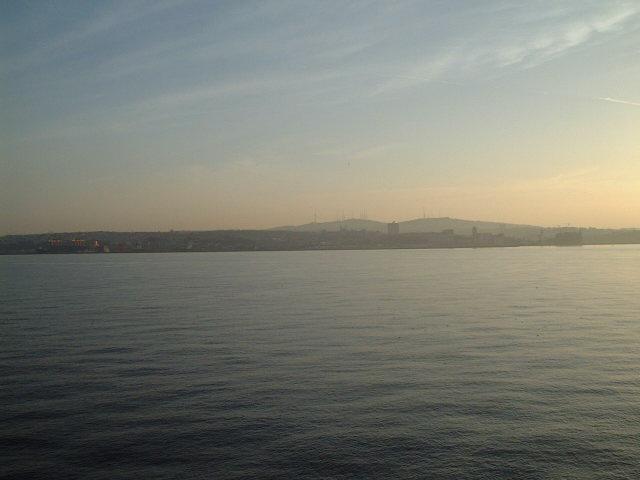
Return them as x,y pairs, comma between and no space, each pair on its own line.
152,115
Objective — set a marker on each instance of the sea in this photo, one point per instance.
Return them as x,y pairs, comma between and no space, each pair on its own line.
495,363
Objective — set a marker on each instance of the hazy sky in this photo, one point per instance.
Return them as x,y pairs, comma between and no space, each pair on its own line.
155,115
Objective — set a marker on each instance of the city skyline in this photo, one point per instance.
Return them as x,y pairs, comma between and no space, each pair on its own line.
188,115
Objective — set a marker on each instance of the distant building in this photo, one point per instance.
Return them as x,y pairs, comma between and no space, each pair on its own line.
393,228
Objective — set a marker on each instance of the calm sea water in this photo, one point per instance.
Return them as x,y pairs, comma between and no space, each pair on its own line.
454,364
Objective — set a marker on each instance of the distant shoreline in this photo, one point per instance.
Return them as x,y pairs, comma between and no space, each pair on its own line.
340,249
350,235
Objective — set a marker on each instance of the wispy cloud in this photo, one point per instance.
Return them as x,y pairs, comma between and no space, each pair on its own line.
532,44
422,72
565,37
78,35
617,100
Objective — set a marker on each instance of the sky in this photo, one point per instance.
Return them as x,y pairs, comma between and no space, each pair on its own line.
192,115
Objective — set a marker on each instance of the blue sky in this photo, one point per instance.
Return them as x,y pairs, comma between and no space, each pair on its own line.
194,115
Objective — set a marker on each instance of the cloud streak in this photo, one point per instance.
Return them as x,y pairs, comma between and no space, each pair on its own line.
618,100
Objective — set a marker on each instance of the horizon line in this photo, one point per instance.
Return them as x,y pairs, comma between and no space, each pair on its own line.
336,221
